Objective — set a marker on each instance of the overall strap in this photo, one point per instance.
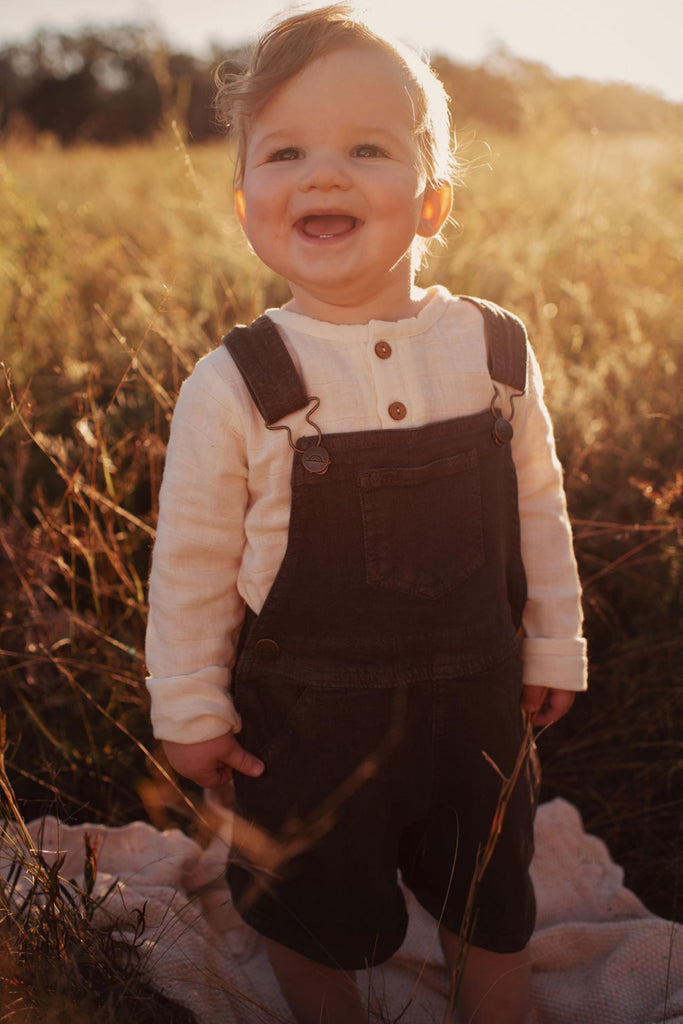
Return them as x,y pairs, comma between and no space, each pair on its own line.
267,368
505,343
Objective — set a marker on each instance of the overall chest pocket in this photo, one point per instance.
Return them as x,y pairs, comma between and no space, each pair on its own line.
422,525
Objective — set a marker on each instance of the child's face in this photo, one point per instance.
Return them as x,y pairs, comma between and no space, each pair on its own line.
334,193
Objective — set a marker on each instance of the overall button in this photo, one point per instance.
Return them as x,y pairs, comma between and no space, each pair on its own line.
397,411
502,431
267,648
383,349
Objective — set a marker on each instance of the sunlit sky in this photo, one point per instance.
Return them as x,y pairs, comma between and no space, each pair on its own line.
637,41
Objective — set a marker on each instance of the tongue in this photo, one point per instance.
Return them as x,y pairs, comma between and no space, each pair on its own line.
331,224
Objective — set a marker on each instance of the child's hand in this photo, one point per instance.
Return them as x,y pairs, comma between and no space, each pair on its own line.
212,762
546,705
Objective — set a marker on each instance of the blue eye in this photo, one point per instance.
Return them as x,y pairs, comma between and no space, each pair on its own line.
289,153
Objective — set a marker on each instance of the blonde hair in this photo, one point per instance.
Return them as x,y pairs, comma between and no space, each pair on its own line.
293,42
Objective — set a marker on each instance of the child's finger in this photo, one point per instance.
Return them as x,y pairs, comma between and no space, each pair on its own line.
553,705
533,698
240,760
559,703
211,762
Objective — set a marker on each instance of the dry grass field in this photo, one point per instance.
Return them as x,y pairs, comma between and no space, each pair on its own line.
119,267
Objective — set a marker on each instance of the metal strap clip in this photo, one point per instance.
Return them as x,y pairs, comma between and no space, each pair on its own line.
316,459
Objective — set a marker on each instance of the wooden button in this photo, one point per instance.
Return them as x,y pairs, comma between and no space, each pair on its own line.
267,648
397,410
383,349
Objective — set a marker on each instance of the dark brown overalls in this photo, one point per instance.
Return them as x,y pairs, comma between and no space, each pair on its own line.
384,662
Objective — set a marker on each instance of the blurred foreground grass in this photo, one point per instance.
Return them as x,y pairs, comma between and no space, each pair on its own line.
120,267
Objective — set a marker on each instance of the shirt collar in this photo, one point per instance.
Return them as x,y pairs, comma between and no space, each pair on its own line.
391,330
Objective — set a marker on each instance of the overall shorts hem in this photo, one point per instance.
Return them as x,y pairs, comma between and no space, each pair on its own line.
357,953
489,937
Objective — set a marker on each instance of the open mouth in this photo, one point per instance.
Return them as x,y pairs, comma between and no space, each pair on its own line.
327,225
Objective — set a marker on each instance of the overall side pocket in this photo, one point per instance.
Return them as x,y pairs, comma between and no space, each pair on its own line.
268,707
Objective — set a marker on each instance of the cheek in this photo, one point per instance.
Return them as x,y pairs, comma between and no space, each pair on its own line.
402,195
265,207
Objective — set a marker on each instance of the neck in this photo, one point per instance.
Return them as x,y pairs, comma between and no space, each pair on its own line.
382,307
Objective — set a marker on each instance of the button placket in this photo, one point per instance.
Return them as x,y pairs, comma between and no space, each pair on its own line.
384,351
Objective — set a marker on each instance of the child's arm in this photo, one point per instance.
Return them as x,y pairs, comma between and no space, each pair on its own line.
195,607
553,647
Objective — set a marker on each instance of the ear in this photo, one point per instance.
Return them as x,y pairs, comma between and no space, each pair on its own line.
241,207
436,207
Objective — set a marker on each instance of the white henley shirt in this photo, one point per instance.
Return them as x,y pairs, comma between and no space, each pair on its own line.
225,496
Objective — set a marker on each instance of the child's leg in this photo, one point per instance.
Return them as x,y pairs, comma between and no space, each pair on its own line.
495,986
316,994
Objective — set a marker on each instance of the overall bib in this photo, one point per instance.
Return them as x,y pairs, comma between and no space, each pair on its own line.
384,664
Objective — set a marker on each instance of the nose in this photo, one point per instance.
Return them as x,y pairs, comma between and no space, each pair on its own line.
325,171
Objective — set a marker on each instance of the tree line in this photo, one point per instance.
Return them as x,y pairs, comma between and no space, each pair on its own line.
122,84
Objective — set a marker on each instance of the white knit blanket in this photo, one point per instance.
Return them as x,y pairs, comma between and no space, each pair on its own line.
599,956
